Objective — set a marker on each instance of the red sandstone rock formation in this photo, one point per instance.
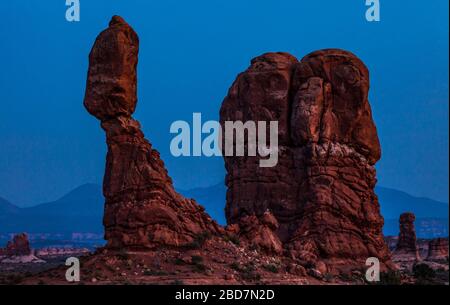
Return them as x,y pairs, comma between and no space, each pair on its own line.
438,249
18,246
407,244
258,233
321,192
142,210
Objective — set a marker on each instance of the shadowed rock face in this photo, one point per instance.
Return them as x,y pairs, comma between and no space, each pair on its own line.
142,210
321,192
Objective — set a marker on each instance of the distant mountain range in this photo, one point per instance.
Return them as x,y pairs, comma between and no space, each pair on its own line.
432,216
81,210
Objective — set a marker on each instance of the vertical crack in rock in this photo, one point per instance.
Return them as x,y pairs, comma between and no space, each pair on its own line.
142,209
321,192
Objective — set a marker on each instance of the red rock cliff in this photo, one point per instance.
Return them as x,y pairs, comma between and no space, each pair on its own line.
321,192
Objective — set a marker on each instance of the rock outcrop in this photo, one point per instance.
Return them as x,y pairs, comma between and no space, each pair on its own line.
18,246
438,249
258,233
321,192
142,209
407,242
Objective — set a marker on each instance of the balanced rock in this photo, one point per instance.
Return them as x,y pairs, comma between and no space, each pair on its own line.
321,192
142,209
438,249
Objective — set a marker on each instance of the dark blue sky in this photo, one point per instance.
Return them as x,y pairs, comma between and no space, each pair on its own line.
191,51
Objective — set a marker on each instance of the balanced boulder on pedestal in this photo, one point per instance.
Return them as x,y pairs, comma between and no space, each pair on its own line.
142,209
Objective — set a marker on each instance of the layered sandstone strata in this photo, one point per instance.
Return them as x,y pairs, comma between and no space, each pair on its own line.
142,209
321,192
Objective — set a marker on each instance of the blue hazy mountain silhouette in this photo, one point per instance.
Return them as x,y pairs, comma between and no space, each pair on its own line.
81,210
7,207
432,216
